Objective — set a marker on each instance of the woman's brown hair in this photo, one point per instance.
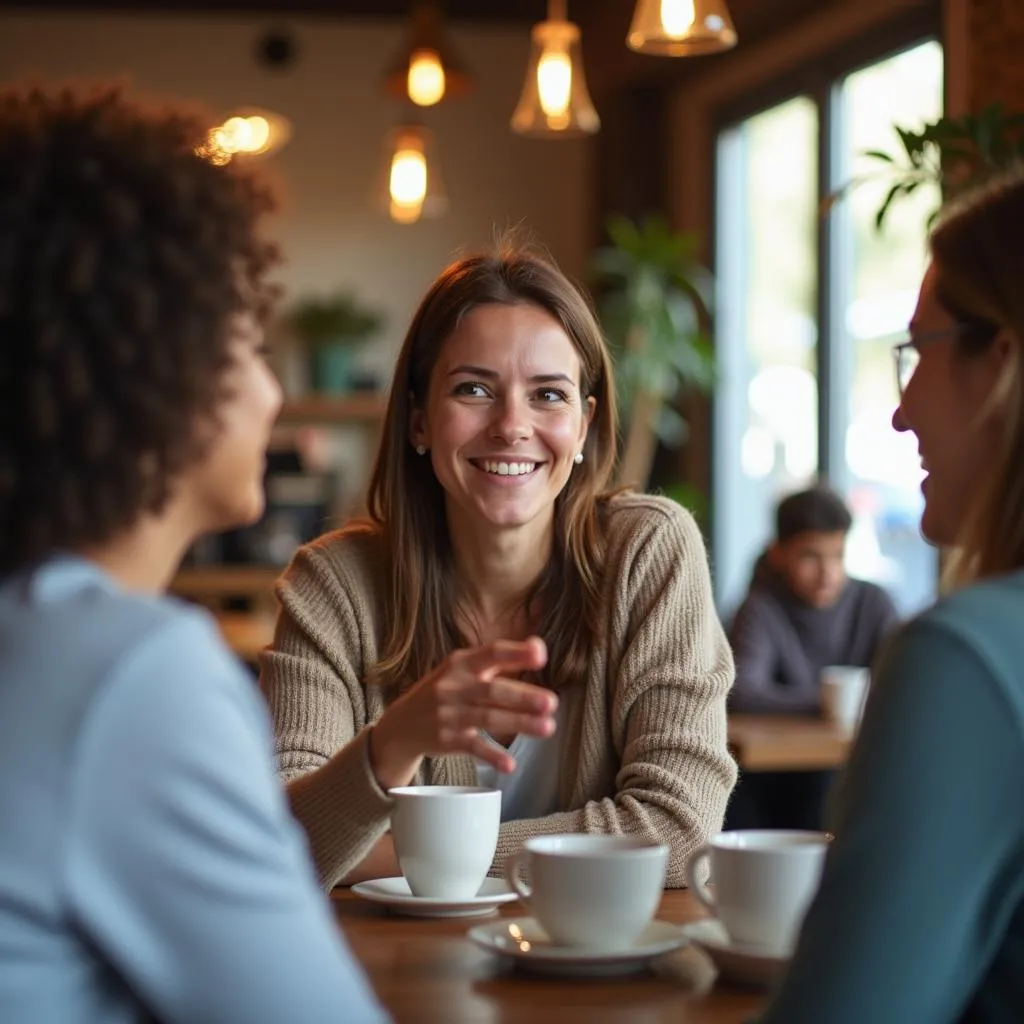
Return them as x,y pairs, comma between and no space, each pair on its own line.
978,257
406,502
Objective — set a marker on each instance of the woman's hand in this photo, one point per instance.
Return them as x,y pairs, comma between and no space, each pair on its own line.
445,711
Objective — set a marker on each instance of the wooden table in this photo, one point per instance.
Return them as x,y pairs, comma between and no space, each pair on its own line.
425,971
782,743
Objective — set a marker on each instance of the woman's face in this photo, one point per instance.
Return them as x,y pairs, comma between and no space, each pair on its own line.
943,405
225,489
504,416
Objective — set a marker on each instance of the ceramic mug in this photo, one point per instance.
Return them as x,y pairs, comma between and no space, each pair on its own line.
843,692
764,881
594,891
445,837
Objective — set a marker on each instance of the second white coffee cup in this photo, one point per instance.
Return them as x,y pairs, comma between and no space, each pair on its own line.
764,881
594,891
445,838
844,689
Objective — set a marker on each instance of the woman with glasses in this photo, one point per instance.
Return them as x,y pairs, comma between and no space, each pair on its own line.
920,914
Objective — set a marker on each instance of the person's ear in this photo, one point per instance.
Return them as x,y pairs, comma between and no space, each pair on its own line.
419,433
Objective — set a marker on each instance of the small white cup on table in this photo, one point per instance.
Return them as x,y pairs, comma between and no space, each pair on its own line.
764,881
592,891
844,688
445,838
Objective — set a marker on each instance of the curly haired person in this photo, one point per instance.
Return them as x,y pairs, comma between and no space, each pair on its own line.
148,866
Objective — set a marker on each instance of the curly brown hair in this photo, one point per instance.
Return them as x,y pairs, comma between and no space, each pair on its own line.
123,254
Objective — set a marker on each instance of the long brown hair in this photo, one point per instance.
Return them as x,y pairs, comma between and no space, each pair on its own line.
978,257
406,502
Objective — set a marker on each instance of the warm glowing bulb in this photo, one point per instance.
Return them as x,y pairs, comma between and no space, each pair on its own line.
258,133
554,85
426,78
677,17
408,181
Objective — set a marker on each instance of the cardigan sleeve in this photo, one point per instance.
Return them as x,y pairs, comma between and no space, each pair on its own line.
670,673
318,707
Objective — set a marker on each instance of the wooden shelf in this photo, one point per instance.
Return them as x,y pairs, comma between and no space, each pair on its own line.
359,407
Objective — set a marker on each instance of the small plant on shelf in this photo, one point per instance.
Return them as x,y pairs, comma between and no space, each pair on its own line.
333,328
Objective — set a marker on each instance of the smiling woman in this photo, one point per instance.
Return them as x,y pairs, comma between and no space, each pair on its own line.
501,611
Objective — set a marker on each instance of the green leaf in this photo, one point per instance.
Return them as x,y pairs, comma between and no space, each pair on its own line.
887,202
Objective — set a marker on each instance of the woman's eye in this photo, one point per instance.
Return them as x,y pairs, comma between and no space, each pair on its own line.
469,389
552,395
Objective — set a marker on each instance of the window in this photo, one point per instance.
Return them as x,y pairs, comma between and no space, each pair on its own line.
807,312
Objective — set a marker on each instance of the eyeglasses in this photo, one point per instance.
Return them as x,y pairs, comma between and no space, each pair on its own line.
908,353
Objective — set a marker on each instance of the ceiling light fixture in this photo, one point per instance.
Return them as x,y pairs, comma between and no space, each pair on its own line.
427,68
681,28
555,102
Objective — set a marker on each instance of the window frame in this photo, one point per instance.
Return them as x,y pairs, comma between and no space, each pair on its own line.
820,80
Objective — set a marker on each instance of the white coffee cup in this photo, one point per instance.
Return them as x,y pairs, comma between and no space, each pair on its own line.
843,691
594,891
764,881
445,837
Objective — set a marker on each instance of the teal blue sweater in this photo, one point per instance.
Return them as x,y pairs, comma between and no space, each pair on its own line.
148,863
920,916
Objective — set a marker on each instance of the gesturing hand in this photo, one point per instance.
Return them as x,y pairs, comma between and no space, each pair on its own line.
445,711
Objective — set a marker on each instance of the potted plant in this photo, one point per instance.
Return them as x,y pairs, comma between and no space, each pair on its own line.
332,328
954,153
654,303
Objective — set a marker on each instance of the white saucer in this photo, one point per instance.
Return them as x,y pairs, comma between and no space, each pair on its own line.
395,894
744,964
523,940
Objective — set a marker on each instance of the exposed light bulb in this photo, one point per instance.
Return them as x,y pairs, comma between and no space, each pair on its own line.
554,86
426,79
408,181
677,17
258,133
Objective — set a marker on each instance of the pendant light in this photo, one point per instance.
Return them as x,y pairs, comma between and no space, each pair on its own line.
555,102
413,186
427,68
681,28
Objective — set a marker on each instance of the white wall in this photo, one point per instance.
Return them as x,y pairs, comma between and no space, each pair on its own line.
332,231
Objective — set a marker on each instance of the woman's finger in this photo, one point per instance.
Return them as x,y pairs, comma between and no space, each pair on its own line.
499,692
503,655
459,717
486,750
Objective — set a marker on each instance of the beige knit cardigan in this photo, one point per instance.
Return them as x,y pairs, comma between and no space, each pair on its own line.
644,750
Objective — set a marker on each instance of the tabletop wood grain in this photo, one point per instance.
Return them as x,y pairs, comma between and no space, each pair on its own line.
426,971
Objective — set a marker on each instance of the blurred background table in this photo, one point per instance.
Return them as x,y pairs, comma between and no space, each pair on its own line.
782,743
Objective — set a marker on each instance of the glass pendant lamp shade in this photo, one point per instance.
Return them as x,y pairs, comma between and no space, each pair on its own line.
413,188
427,69
555,101
681,28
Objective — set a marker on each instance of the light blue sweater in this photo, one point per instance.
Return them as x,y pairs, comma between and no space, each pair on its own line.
148,862
920,916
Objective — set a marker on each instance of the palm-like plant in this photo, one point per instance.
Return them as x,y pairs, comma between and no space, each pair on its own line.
956,153
654,300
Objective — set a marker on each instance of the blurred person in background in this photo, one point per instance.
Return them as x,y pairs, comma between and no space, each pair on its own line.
802,613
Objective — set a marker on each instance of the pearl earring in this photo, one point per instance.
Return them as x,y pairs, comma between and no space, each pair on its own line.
578,458
421,449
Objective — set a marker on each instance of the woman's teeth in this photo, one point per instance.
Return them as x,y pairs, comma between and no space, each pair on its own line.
509,468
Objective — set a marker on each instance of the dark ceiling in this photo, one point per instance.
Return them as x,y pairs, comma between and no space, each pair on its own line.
747,13
467,10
